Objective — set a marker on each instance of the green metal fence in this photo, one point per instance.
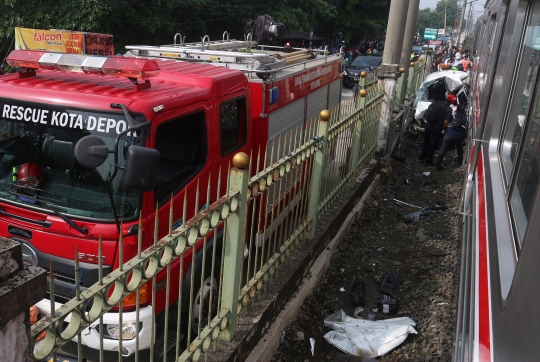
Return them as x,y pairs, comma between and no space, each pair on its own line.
273,200
415,78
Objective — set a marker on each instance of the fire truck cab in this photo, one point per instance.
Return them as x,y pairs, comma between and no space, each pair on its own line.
89,145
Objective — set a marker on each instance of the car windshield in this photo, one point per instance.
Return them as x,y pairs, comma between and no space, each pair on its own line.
362,62
38,165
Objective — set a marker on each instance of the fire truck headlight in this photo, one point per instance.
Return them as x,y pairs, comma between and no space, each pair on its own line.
128,331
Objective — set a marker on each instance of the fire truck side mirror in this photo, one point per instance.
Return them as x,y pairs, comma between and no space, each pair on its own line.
91,151
141,168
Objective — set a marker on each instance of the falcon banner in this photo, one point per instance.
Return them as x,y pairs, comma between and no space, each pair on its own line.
61,41
64,41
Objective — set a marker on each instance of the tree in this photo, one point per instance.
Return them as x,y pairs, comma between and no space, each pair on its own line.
434,18
156,22
359,19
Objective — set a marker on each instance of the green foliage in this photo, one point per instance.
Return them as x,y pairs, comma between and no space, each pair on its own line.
361,19
434,18
467,44
155,22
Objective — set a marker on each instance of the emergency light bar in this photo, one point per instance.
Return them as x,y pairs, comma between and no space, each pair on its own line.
79,63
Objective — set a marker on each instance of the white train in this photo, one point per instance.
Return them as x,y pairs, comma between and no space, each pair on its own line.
498,315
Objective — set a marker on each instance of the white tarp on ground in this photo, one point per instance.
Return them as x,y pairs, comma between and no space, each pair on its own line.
365,338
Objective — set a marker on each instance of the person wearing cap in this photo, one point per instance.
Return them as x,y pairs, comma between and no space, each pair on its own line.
454,136
466,62
432,131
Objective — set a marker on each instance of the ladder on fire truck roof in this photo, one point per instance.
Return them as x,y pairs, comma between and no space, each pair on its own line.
224,44
232,53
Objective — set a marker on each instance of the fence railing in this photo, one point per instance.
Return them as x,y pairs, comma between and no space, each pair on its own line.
415,78
234,245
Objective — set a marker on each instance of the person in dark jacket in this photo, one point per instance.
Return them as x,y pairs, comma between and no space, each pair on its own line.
454,136
432,132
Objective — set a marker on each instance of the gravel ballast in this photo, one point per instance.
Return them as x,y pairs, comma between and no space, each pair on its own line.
426,253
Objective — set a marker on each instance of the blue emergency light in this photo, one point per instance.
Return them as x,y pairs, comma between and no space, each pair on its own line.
274,95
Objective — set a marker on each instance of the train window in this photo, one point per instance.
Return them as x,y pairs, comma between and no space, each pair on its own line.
523,90
520,146
527,177
485,59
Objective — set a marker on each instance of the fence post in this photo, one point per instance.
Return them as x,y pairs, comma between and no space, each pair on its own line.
357,136
398,100
234,243
317,173
427,64
411,80
420,78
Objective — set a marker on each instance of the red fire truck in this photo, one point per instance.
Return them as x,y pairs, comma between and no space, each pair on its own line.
150,124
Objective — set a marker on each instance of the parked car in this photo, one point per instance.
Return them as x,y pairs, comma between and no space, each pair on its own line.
361,63
417,49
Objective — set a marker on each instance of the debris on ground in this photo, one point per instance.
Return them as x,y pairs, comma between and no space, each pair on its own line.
416,216
428,251
358,293
365,338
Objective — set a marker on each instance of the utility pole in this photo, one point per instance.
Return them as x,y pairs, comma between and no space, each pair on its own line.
311,29
410,30
389,72
461,16
445,2
470,25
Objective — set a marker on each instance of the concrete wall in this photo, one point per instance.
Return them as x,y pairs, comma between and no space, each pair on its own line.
21,286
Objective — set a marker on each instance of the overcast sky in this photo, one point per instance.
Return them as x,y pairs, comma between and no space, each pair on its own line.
478,6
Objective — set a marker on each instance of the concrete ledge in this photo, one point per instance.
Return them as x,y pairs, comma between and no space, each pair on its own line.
10,258
14,339
20,291
268,305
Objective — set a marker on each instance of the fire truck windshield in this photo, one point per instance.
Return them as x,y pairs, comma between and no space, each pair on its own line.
38,165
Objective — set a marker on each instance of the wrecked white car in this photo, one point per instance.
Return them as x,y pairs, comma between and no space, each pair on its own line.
436,87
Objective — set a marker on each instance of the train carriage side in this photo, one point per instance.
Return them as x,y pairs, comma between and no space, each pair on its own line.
498,316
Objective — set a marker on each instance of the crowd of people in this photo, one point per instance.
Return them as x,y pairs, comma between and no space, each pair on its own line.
452,59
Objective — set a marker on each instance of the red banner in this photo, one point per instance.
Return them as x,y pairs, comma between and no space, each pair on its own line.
98,44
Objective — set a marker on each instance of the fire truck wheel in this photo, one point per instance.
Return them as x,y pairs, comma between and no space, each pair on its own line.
201,295
201,303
